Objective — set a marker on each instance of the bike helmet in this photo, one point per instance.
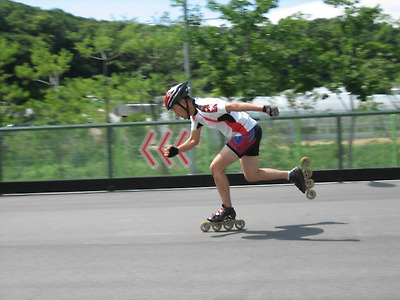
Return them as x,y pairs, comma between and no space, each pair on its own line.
176,93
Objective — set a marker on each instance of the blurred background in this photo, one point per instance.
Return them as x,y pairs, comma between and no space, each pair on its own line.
82,85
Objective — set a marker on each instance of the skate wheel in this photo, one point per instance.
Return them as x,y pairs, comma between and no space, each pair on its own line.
239,224
311,194
216,226
305,162
228,225
205,226
307,173
309,183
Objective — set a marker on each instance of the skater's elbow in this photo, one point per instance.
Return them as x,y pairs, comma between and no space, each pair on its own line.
194,142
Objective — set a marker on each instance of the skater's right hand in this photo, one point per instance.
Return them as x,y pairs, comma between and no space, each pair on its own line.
171,151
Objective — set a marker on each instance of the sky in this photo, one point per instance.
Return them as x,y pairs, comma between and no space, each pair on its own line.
145,11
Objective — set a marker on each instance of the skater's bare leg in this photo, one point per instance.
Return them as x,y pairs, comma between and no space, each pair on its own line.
252,172
223,159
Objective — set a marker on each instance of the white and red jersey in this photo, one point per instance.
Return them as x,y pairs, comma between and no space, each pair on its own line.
212,113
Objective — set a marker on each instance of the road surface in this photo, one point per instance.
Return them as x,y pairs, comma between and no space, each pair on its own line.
345,244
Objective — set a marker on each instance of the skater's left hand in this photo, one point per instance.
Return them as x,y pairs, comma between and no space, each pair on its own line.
272,111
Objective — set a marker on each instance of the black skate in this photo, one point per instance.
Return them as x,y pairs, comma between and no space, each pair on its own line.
226,217
225,213
296,176
301,177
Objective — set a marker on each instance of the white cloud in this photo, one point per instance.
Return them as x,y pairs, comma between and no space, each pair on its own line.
318,9
390,7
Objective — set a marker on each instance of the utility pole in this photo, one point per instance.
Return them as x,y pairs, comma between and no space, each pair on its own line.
186,44
192,156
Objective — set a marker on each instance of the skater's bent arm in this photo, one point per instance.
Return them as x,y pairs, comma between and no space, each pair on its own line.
242,106
190,143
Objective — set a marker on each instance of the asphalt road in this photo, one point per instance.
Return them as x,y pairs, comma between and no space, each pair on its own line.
345,244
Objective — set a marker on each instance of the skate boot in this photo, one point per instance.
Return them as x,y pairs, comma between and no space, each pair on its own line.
225,213
225,217
301,177
296,176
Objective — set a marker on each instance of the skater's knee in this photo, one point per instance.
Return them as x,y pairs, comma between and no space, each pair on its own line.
215,169
251,177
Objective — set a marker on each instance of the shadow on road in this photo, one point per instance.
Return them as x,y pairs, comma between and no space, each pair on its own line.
381,184
289,233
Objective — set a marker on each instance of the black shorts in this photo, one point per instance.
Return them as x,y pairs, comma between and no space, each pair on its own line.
247,144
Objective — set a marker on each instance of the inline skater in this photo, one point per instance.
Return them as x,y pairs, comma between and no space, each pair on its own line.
244,133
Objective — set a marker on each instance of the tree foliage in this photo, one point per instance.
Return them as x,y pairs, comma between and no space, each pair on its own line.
73,70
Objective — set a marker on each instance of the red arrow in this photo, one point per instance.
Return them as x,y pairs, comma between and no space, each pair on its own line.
185,161
168,162
143,149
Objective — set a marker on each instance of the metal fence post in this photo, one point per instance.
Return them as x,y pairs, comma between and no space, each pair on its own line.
1,155
394,140
339,142
299,148
109,151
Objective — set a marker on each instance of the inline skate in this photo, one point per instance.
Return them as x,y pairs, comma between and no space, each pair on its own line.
301,177
225,217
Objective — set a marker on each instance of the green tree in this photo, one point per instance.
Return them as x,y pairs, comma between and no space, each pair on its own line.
237,63
364,65
104,45
74,102
128,61
152,49
300,56
45,66
11,95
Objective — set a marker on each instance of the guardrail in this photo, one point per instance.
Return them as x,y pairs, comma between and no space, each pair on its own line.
353,140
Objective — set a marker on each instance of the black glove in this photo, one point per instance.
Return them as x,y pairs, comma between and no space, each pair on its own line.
173,151
272,111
